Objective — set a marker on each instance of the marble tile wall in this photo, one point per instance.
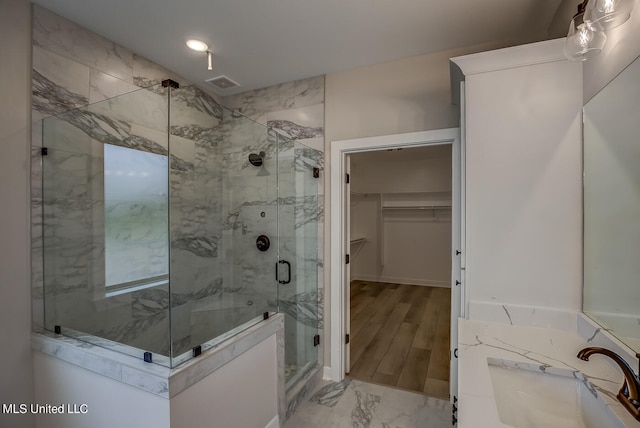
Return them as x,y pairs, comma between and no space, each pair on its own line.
295,111
196,214
218,277
74,211
250,196
73,67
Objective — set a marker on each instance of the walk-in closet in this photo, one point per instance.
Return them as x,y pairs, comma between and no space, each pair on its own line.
400,267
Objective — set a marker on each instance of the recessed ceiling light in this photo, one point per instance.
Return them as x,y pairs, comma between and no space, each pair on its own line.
197,45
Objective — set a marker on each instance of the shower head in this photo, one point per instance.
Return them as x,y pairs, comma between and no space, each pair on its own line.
256,159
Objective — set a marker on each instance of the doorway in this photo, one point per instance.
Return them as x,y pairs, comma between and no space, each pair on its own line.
341,253
400,267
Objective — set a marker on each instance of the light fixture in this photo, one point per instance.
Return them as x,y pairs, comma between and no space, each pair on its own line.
200,46
607,14
197,45
583,41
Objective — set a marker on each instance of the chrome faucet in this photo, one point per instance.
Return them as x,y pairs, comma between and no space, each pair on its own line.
628,394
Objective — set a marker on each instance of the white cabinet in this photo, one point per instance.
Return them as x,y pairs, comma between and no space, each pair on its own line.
523,177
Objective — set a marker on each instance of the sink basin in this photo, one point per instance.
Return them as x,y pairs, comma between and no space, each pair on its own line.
532,396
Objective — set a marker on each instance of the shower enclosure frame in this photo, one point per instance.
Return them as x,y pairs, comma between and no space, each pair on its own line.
302,218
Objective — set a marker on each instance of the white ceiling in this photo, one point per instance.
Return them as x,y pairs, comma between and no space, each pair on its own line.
259,43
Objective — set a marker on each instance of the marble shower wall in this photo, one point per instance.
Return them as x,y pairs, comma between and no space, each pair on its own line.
75,209
73,67
195,212
295,111
219,278
250,206
245,198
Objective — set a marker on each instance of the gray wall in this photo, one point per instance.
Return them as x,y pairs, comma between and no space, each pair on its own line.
16,376
407,95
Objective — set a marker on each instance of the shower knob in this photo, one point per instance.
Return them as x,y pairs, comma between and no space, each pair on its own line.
263,243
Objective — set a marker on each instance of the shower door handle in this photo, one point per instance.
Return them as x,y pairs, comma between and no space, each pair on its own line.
284,262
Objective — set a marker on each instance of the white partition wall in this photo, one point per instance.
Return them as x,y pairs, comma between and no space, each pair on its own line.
523,178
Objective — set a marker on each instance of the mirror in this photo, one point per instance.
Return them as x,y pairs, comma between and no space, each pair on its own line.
612,207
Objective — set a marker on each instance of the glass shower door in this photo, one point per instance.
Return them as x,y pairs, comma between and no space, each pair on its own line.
223,209
297,268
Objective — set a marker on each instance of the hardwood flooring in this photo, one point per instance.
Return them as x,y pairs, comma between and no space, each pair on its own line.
400,336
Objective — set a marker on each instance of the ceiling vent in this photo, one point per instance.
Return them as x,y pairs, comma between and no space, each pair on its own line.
222,82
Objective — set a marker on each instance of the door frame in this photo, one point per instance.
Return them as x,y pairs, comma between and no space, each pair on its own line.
339,239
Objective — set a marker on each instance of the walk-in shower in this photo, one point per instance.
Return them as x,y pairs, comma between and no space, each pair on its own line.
150,219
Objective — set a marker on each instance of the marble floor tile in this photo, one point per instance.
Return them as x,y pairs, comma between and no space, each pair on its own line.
353,403
330,394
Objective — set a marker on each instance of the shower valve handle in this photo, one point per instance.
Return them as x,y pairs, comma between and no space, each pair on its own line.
263,243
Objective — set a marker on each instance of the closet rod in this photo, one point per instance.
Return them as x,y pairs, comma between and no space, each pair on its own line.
419,207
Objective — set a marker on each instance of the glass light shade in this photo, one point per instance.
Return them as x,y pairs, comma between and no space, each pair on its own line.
607,14
583,41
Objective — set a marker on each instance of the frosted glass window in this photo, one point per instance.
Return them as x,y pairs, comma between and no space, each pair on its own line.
136,216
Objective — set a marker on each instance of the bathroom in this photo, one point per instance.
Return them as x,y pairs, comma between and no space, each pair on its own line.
344,96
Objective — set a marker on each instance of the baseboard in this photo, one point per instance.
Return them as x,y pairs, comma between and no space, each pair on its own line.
407,281
273,423
327,373
365,278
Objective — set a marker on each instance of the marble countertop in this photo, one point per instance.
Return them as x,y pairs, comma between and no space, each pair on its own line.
543,347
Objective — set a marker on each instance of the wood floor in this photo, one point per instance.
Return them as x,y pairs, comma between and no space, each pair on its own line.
400,336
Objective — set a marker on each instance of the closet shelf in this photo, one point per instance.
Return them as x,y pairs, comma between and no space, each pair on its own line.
416,201
416,207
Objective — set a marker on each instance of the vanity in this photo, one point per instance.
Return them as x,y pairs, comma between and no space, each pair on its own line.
532,303
523,376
